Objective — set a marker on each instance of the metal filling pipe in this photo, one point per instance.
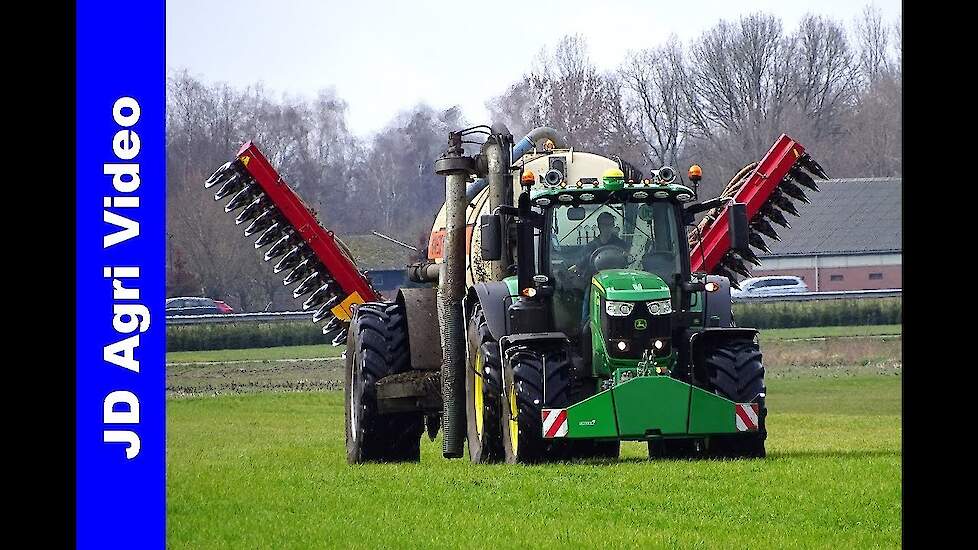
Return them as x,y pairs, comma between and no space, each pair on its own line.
424,272
451,292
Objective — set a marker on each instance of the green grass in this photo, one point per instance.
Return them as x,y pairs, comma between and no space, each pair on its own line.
268,470
256,354
326,350
830,332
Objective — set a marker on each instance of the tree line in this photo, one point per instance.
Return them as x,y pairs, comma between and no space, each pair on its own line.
719,100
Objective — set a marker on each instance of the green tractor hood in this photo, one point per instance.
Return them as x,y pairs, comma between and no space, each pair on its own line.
629,285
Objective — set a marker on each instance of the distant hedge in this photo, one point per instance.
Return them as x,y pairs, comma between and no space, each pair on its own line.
882,311
243,335
823,313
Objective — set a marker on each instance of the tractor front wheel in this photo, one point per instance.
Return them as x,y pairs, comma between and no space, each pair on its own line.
735,372
377,346
523,402
483,386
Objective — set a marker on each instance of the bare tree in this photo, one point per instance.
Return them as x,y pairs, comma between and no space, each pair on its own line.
898,43
719,101
824,74
737,86
873,39
621,132
564,89
654,79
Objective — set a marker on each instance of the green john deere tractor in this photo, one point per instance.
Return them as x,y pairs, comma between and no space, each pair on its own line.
564,317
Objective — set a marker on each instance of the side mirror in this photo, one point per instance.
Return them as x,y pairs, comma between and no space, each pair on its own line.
737,218
490,226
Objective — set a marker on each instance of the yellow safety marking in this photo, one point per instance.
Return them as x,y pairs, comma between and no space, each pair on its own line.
514,425
245,159
479,404
344,309
597,284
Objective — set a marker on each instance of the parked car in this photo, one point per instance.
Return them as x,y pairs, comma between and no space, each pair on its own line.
193,305
771,285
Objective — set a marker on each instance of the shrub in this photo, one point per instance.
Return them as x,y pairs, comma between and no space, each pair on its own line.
243,335
880,311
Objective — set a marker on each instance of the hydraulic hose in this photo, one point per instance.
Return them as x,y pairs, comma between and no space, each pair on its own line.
535,135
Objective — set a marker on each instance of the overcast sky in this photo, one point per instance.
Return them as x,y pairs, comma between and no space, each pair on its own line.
382,57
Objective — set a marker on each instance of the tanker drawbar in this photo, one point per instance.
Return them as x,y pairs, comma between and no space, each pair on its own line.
322,269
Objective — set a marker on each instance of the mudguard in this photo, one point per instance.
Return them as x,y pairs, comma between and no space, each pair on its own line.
708,337
421,308
717,305
495,298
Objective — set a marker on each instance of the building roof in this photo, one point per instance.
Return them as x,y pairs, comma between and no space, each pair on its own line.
847,216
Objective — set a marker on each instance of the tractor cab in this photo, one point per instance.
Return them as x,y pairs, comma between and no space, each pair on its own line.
605,252
600,235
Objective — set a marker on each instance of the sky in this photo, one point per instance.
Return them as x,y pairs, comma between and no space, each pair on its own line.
384,57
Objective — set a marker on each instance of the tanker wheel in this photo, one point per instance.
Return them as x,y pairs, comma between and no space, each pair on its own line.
735,372
483,385
377,346
523,404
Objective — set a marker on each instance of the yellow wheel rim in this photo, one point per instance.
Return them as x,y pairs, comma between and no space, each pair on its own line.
514,427
479,408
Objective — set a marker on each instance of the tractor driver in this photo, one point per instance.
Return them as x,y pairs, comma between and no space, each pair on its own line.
607,235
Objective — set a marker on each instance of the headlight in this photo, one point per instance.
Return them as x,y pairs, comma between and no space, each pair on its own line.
660,307
618,309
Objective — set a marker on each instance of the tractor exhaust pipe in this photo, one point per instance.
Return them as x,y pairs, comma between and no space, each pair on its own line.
451,291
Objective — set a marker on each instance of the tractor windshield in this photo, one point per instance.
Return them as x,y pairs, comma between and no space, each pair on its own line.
589,238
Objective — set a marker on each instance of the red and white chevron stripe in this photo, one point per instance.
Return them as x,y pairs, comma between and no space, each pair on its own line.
746,416
554,423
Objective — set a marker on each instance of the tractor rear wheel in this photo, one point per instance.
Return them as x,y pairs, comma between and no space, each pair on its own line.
377,346
735,372
523,404
483,386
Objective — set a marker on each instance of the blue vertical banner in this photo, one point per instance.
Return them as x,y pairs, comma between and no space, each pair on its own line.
120,246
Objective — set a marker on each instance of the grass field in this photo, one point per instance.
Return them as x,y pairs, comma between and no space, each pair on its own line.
252,462
268,470
256,354
774,334
829,352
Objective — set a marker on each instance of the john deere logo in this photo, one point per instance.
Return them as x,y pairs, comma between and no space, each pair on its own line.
641,324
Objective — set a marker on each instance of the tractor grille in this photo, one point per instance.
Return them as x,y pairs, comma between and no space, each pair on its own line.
624,329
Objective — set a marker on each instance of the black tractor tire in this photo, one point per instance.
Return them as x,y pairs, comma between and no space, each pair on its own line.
736,372
483,388
523,403
377,346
